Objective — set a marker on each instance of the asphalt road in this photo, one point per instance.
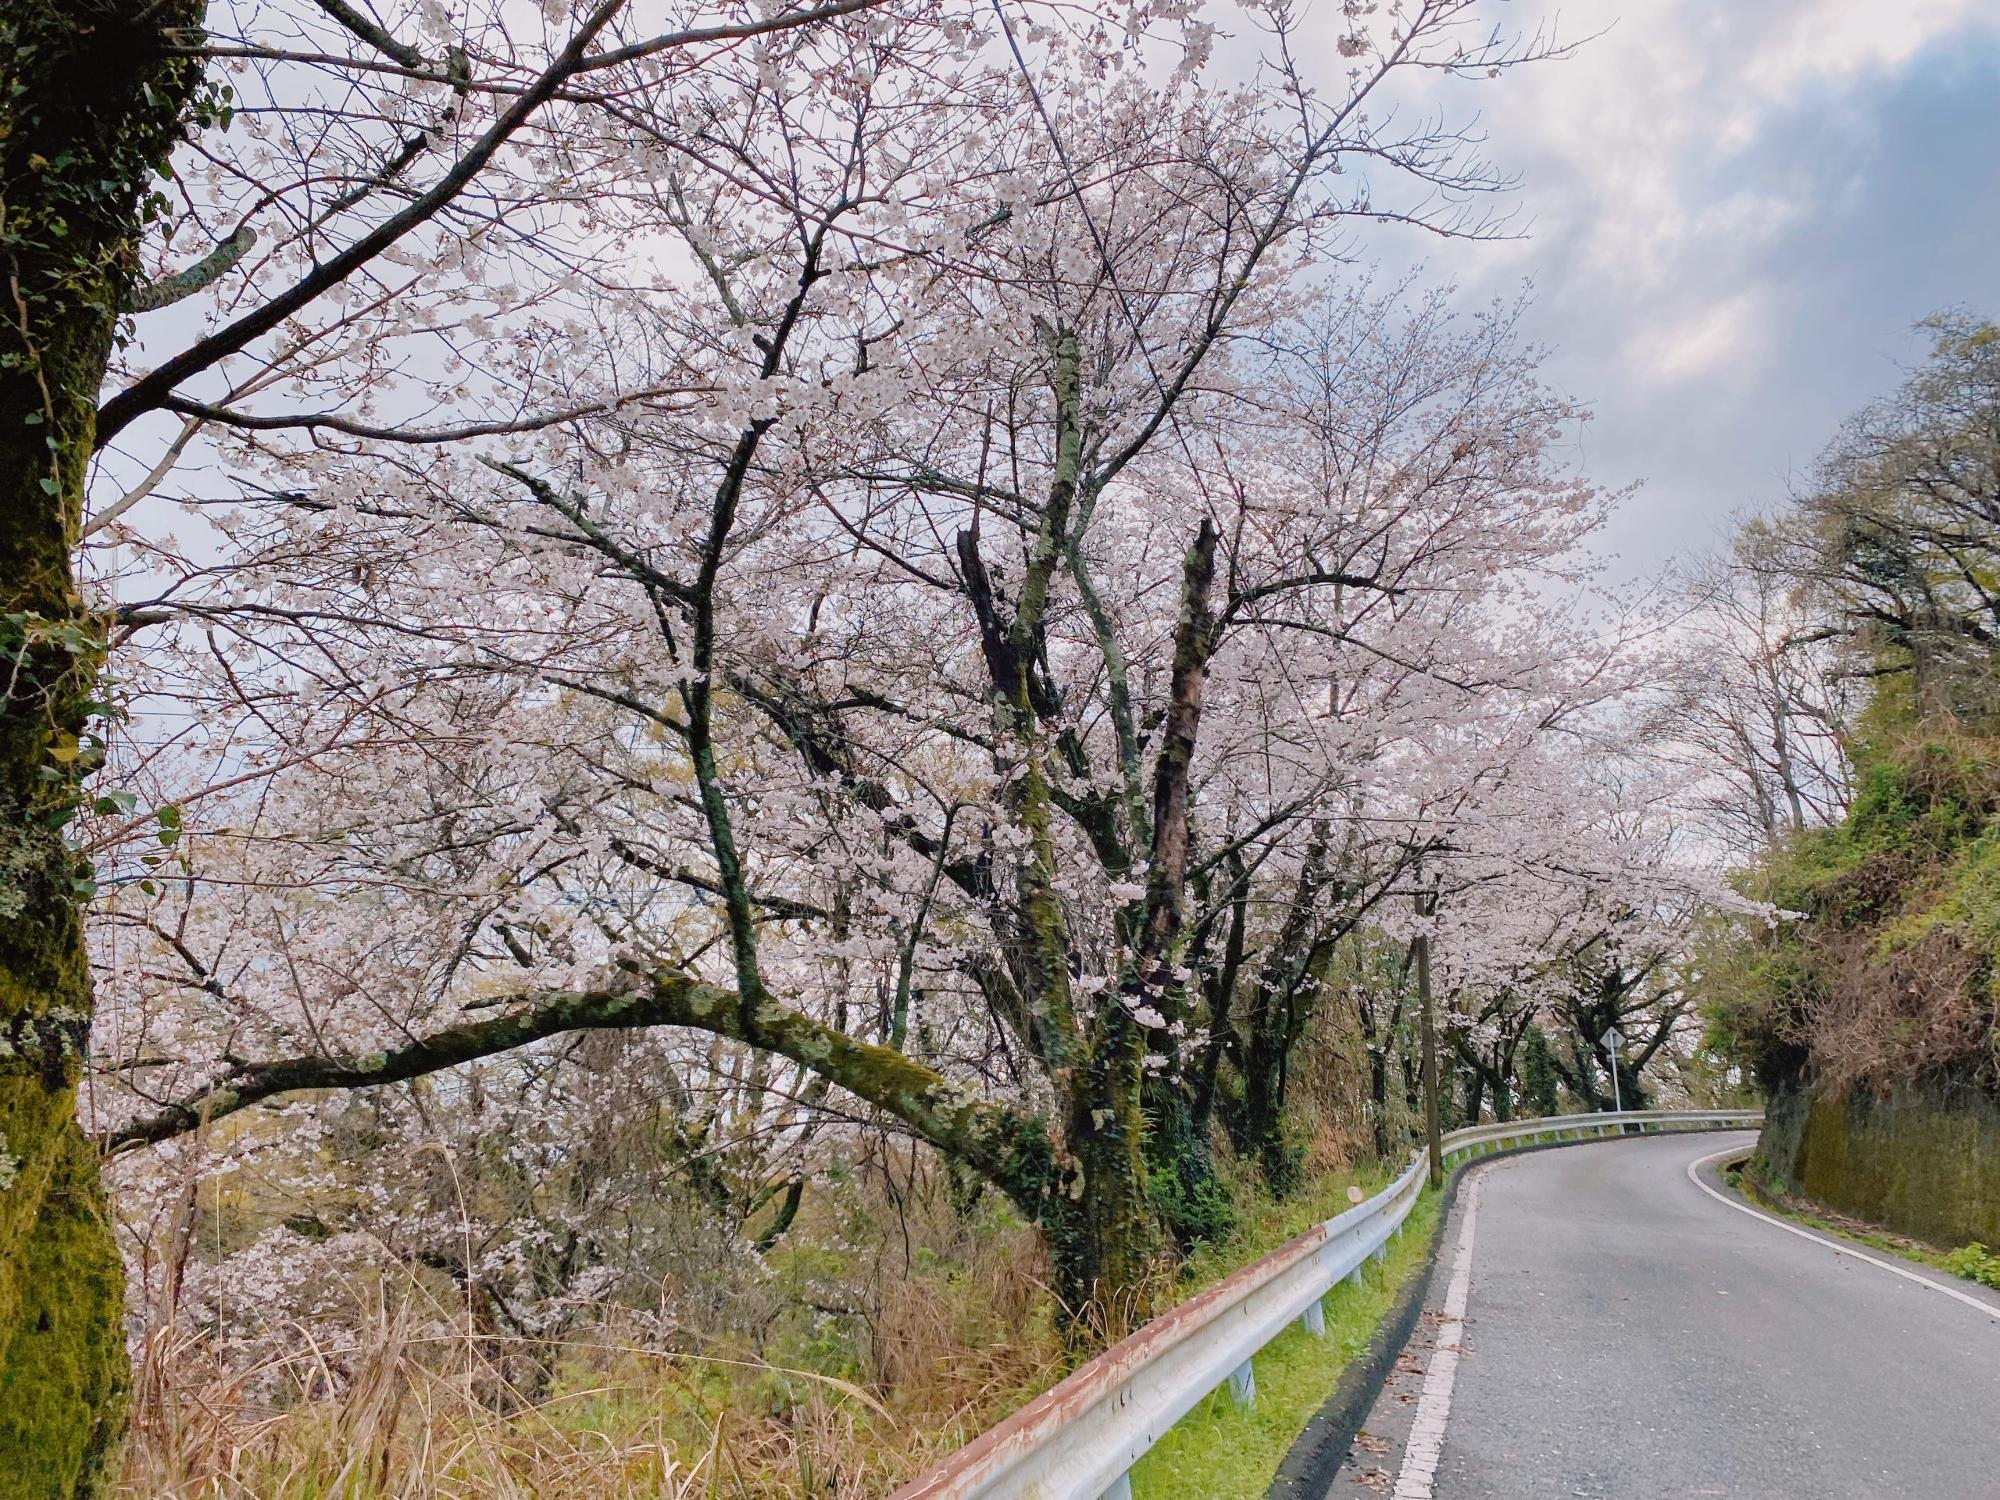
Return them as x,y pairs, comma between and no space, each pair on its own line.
1627,1337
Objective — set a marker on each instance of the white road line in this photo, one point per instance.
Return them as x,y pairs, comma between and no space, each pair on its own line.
1426,1445
1836,1246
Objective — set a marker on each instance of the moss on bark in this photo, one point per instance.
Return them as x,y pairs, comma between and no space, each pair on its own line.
91,99
63,1383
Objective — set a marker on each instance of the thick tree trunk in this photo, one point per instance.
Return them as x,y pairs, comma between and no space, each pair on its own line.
1181,1189
1378,1099
89,105
1178,1101
1581,1077
63,1384
1263,1132
1222,990
1630,1089
1538,1074
1274,1026
1104,1232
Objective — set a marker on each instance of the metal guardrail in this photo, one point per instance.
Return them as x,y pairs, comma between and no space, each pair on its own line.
1079,1440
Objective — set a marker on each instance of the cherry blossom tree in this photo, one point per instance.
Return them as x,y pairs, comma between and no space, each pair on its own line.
1763,699
757,677
296,217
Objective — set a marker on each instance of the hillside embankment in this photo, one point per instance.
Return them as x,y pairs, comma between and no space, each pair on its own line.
1922,1159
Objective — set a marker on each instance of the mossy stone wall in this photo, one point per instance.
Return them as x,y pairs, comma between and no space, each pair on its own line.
1923,1160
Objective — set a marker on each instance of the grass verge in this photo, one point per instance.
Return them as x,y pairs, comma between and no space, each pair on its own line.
1221,1451
1971,1262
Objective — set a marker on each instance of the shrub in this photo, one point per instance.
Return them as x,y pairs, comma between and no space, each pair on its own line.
1975,1263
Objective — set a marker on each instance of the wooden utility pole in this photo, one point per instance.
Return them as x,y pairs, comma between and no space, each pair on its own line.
1433,1141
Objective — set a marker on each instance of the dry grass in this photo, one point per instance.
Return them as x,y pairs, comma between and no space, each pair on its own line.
1921,1009
408,1418
415,1405
421,1416
945,1327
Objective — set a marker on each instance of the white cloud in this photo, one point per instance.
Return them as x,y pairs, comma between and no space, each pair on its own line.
1724,341
1836,39
1626,147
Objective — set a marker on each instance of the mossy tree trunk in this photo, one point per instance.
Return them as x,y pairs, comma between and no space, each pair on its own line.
1276,1021
1182,1188
1103,1231
1538,1074
90,104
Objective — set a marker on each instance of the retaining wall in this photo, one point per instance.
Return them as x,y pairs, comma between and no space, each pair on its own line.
1925,1160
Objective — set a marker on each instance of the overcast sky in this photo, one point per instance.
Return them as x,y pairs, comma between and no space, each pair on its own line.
1735,211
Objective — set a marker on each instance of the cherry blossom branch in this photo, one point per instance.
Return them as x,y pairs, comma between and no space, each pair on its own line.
146,393
150,390
347,426
1004,1145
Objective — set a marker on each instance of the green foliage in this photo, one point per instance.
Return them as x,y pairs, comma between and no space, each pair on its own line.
1917,801
1264,1222
1181,1180
1756,989
1891,952
1963,897
1538,1074
1975,1263
1195,1205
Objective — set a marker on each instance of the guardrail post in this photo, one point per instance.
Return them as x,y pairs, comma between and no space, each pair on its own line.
1243,1384
1314,1319
1121,1488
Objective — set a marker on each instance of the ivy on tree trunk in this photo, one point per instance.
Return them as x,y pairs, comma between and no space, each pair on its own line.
91,100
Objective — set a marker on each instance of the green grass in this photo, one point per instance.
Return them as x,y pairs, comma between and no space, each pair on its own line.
1221,1451
1975,1263
1263,1224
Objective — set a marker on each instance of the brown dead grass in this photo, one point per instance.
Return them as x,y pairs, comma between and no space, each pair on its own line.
1885,1018
428,1416
949,1328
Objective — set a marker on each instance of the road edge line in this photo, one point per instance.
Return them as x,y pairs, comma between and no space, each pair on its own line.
1425,1448
1321,1450
1693,1176
1312,1464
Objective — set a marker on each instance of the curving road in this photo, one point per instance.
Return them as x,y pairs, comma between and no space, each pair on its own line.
1627,1336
